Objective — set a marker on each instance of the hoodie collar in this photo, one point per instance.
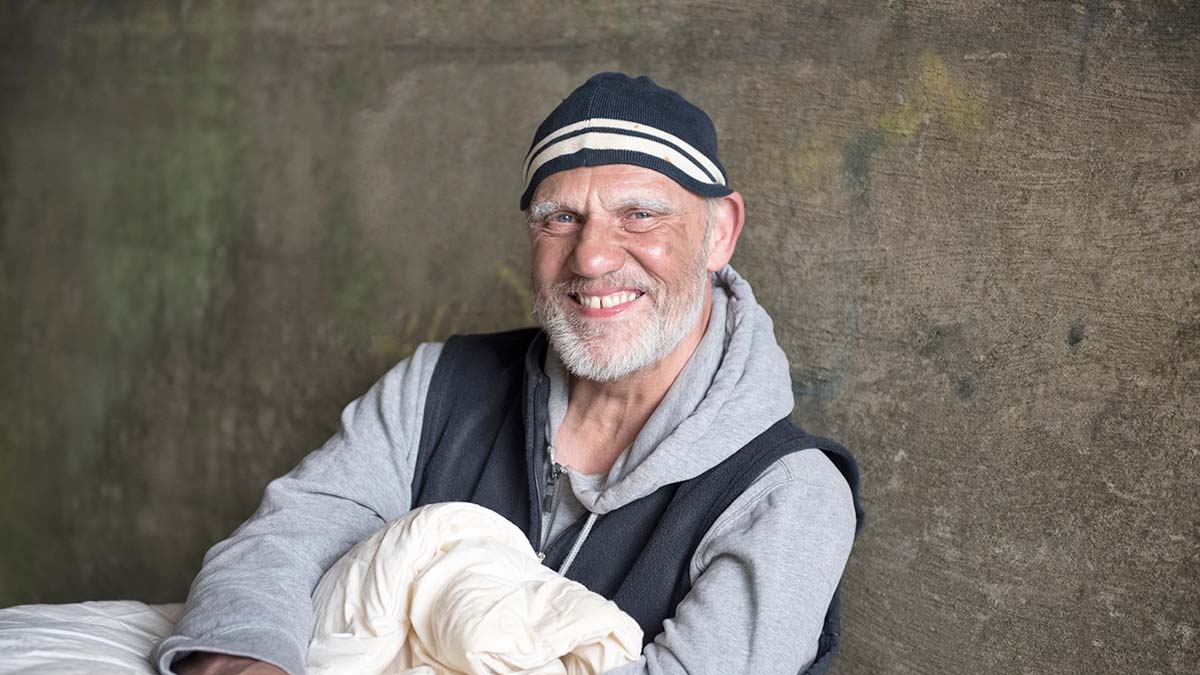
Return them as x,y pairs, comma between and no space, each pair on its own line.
733,387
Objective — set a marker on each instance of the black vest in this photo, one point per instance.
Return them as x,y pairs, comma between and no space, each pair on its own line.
483,441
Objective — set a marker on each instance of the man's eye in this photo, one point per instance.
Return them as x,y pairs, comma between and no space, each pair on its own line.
640,221
558,222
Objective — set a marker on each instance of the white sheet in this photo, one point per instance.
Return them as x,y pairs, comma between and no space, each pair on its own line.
454,586
86,638
458,588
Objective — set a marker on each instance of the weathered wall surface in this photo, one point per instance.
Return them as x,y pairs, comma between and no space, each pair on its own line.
976,224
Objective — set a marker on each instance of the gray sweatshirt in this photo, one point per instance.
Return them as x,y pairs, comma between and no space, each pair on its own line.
762,576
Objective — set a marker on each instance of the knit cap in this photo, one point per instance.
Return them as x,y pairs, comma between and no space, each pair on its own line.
615,119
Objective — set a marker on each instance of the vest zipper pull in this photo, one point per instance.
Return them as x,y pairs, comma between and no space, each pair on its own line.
549,501
551,487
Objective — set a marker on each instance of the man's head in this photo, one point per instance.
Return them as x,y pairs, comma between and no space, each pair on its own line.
629,213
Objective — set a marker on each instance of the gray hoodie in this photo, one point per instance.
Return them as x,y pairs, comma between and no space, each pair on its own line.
762,576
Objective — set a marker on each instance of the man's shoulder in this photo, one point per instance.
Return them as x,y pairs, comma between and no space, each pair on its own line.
804,474
811,466
782,500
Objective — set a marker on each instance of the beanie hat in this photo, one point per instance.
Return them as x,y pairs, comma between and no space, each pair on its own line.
615,119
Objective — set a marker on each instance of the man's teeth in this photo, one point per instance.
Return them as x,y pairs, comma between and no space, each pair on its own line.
611,300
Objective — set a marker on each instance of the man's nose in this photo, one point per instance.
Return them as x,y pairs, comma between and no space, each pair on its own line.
598,251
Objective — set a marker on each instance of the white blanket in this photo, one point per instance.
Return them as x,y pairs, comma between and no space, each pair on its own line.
449,589
455,589
87,638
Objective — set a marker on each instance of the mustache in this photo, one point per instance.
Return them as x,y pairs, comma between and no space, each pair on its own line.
624,279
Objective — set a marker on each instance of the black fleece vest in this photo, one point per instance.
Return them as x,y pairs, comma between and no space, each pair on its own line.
483,441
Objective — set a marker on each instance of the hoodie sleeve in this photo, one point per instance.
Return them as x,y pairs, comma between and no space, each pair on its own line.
252,595
762,578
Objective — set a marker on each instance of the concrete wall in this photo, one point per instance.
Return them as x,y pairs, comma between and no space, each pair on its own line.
976,224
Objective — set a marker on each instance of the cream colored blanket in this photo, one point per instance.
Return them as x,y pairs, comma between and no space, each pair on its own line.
455,589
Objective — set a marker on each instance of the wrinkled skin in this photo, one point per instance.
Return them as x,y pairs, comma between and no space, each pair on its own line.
632,236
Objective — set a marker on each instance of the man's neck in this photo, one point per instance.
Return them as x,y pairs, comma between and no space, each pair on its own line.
603,418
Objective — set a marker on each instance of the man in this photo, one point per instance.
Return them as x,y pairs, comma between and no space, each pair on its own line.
639,438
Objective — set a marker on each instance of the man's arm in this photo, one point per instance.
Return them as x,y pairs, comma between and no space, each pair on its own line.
252,595
762,577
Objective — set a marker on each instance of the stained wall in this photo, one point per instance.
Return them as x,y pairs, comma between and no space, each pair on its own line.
975,224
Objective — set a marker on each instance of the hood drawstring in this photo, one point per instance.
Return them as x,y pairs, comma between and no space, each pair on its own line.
583,534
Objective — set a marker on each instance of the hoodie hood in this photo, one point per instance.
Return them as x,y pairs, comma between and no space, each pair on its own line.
735,385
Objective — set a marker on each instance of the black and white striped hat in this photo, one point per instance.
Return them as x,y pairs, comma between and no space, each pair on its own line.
615,119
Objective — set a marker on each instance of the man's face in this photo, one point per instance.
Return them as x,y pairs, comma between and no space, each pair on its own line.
620,267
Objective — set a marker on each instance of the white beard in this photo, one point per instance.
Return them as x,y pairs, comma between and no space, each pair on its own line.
595,351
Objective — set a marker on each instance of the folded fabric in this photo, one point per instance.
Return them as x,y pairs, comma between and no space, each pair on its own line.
456,589
86,638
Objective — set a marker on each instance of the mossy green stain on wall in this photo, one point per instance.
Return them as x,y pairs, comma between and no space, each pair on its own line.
20,516
163,216
353,270
133,187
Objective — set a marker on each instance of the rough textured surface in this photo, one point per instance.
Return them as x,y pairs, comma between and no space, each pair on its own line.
975,223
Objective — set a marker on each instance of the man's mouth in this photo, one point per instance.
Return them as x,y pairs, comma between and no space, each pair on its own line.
606,301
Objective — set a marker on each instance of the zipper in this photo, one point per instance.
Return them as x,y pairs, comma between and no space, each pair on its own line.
550,499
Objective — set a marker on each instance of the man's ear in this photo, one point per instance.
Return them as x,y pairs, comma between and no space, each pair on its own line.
729,216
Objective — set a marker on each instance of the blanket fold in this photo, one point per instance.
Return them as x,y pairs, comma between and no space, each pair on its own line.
456,589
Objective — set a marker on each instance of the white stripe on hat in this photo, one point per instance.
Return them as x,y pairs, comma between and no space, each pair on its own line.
696,155
599,140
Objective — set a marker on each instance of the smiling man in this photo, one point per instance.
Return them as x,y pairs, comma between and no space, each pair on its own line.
639,437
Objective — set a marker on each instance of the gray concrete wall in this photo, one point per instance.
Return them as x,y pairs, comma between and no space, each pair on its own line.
975,223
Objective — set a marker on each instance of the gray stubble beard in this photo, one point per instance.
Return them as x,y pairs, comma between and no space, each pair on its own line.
661,335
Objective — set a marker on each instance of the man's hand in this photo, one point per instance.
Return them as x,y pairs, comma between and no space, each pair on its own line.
202,663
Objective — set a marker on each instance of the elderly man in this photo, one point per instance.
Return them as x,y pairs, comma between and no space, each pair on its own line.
640,437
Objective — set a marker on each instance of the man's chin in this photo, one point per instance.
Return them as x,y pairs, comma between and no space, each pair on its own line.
598,358
601,350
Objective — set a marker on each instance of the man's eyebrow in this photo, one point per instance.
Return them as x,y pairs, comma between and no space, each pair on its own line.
539,210
648,202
